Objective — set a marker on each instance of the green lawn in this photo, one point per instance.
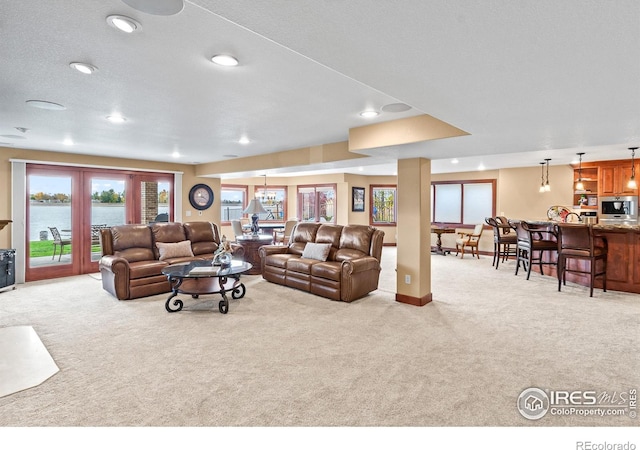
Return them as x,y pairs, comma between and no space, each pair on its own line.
45,248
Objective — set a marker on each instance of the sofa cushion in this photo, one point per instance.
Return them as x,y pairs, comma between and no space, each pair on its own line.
144,269
329,234
132,242
303,232
174,249
316,251
203,236
301,265
331,270
356,237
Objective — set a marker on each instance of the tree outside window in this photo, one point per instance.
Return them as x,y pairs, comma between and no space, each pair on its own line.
317,203
383,204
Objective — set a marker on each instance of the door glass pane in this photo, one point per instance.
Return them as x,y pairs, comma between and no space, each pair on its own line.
307,204
49,235
107,209
326,204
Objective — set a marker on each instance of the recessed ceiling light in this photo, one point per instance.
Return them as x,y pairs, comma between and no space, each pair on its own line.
116,118
225,60
42,104
244,140
157,7
68,141
175,154
481,167
12,136
85,68
360,169
369,113
124,23
230,156
454,161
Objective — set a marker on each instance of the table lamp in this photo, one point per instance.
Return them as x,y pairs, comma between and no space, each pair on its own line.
255,207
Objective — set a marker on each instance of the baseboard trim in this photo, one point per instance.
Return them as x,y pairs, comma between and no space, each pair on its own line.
415,301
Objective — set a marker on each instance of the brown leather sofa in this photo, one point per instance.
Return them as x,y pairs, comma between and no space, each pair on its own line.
132,263
351,269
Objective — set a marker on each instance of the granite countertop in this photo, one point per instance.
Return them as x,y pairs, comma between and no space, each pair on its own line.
616,227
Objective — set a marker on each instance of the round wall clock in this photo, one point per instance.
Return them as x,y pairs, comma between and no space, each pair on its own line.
201,196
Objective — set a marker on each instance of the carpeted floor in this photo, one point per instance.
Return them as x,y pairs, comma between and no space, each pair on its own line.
282,357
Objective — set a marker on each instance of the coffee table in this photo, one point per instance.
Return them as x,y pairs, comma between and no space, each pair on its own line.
197,278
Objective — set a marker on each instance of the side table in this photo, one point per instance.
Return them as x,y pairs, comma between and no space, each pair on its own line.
251,244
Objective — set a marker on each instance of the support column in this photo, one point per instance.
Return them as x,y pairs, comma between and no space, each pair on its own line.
414,232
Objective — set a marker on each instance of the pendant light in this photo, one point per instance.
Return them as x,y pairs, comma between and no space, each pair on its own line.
632,181
542,176
580,184
547,186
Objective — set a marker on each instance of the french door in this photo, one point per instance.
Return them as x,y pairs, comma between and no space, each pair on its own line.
67,207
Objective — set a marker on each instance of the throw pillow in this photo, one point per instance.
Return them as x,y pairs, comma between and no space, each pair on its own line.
174,249
316,251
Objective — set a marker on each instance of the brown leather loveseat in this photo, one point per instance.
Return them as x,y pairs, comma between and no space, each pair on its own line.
134,255
334,261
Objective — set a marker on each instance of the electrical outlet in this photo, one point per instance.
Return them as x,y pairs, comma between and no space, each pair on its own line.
407,279
187,213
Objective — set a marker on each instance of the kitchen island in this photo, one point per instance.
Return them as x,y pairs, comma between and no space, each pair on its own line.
623,258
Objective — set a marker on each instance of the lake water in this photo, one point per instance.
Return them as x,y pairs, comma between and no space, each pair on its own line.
44,216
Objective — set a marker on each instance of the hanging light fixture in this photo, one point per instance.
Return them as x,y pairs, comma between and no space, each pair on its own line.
580,184
542,176
547,186
632,181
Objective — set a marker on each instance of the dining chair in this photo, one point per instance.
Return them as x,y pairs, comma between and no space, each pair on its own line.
58,241
470,240
577,242
236,225
282,237
504,239
533,241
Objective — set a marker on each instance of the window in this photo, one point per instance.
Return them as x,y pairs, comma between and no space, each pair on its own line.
275,202
233,199
317,203
383,204
463,202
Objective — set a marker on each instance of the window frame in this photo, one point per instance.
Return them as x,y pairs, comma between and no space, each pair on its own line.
333,186
233,187
462,183
373,187
257,192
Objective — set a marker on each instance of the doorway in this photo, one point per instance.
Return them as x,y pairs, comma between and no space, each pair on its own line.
68,206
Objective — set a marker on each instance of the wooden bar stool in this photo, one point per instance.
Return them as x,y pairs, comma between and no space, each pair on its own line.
577,242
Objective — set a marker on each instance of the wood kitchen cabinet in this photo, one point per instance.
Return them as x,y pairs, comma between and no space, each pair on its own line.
613,178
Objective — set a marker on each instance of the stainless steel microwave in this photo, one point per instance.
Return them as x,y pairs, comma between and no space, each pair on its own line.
619,209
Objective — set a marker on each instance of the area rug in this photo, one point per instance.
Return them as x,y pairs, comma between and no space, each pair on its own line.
24,360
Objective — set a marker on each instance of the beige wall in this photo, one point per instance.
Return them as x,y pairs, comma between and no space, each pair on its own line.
517,195
517,189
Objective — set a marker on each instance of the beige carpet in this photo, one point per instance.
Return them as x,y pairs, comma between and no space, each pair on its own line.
282,357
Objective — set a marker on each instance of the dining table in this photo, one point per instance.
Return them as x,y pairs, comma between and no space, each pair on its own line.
439,231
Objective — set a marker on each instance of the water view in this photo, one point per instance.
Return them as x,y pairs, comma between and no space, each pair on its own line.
43,216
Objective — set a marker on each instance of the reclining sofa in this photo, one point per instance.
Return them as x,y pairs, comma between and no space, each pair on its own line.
134,255
334,261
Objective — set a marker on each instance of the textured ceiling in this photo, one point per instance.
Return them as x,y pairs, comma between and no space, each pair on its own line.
527,80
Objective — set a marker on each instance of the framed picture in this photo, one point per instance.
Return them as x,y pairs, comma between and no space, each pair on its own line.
357,199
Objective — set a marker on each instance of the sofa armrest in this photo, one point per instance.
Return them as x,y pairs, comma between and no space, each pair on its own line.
115,276
359,277
360,265
267,250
